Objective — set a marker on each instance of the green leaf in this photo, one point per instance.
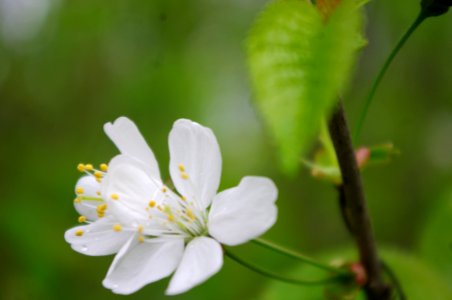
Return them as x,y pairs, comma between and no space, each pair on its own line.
417,279
299,63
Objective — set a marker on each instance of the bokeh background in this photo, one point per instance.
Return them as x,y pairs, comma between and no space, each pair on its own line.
67,67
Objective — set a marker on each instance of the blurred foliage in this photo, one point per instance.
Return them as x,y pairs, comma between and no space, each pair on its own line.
436,239
83,63
290,53
418,280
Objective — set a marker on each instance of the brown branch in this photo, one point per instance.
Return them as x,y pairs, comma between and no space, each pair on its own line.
355,208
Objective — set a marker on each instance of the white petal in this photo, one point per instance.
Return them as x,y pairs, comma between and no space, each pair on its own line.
134,189
203,257
195,150
138,264
98,238
244,212
122,159
91,188
126,136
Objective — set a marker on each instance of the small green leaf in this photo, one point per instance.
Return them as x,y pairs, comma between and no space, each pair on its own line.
383,153
299,63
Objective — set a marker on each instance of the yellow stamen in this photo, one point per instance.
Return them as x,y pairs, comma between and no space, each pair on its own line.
98,180
181,168
89,167
140,228
183,198
79,190
152,203
184,175
77,200
160,207
190,214
171,218
101,208
164,189
114,196
104,167
117,227
81,219
81,167
98,193
141,239
79,232
98,174
100,214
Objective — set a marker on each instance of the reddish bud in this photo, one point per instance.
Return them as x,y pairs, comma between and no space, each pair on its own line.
327,7
359,272
362,156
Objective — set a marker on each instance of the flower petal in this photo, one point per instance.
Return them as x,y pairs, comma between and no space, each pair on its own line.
97,238
195,164
128,190
126,136
138,264
203,257
91,188
244,212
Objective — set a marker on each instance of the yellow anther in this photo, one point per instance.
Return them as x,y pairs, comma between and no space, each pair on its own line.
104,167
100,214
171,218
101,208
152,203
117,227
183,198
190,214
164,189
89,167
114,196
79,232
81,167
184,175
160,207
140,228
181,168
98,180
77,200
98,174
98,193
81,219
79,190
141,239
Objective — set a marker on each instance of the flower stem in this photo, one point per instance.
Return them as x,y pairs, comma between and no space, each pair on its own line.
275,276
299,256
418,21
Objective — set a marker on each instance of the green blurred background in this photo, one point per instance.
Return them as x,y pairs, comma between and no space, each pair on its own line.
67,67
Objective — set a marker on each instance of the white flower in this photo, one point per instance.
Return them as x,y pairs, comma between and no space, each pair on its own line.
155,231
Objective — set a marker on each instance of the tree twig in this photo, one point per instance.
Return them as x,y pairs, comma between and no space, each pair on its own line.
355,207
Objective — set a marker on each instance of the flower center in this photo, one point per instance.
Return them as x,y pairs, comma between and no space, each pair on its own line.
166,215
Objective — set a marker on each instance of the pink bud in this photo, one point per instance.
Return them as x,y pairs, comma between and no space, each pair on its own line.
362,156
360,273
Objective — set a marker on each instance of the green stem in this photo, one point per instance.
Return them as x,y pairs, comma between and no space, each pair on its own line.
418,21
275,276
299,256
